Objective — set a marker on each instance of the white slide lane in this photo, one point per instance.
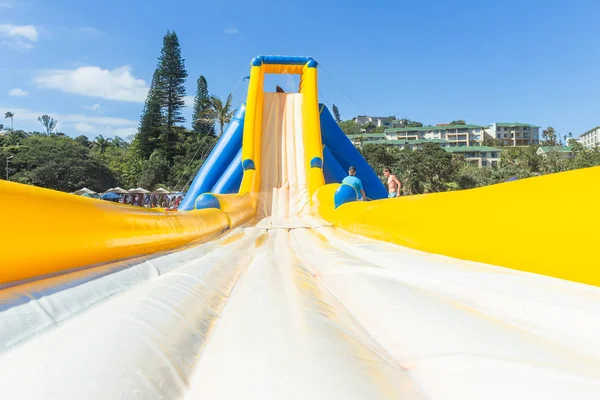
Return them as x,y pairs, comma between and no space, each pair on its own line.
292,308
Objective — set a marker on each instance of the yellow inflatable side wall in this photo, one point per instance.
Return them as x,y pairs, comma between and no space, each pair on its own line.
546,225
540,225
45,231
313,148
239,208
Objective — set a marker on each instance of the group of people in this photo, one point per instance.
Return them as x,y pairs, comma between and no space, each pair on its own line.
393,183
152,201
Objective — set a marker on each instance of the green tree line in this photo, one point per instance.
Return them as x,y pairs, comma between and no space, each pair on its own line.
432,169
163,152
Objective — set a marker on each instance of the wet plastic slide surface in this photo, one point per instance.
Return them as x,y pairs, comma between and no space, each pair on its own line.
282,312
288,304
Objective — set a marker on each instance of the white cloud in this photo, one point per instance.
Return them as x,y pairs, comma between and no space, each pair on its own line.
16,44
81,123
231,30
189,101
94,108
90,30
17,92
116,84
124,132
28,32
83,127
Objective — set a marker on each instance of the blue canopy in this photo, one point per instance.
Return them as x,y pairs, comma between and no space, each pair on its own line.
110,196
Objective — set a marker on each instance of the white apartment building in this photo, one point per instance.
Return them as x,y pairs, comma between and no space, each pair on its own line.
562,151
456,135
480,156
377,121
590,138
514,134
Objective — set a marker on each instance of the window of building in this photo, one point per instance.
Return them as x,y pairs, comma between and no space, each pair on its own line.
483,154
484,163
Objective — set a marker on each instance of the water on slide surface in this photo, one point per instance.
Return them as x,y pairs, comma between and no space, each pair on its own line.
292,308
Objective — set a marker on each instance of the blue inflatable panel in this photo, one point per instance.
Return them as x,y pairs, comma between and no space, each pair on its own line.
206,200
332,170
289,60
344,194
232,177
346,155
217,161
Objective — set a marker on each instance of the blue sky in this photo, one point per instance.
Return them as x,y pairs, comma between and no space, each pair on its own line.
88,63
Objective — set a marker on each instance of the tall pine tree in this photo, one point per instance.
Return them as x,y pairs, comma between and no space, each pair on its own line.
200,123
336,114
151,121
159,129
172,74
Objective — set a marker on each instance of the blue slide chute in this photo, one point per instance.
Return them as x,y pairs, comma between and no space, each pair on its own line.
218,160
232,177
344,152
332,170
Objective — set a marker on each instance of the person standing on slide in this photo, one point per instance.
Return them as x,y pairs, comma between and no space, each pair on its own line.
355,182
394,184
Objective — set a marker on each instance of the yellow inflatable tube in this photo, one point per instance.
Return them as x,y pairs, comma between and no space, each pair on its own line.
313,147
251,142
51,231
536,225
238,207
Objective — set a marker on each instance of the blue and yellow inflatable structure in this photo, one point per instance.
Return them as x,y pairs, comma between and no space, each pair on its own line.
47,232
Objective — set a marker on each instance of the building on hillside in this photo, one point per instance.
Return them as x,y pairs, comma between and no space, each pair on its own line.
480,156
2,131
377,121
563,151
411,144
590,138
363,138
456,135
513,134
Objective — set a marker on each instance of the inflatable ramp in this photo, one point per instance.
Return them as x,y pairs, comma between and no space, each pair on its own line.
289,288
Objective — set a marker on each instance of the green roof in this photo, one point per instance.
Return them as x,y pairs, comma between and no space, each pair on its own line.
561,149
367,135
514,124
427,141
432,128
469,149
409,142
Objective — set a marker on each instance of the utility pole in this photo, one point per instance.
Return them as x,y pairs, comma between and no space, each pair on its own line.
7,159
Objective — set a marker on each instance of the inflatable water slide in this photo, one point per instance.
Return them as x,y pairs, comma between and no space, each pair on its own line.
273,282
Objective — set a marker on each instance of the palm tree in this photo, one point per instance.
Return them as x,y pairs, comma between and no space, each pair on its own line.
101,144
48,122
118,142
10,115
218,112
